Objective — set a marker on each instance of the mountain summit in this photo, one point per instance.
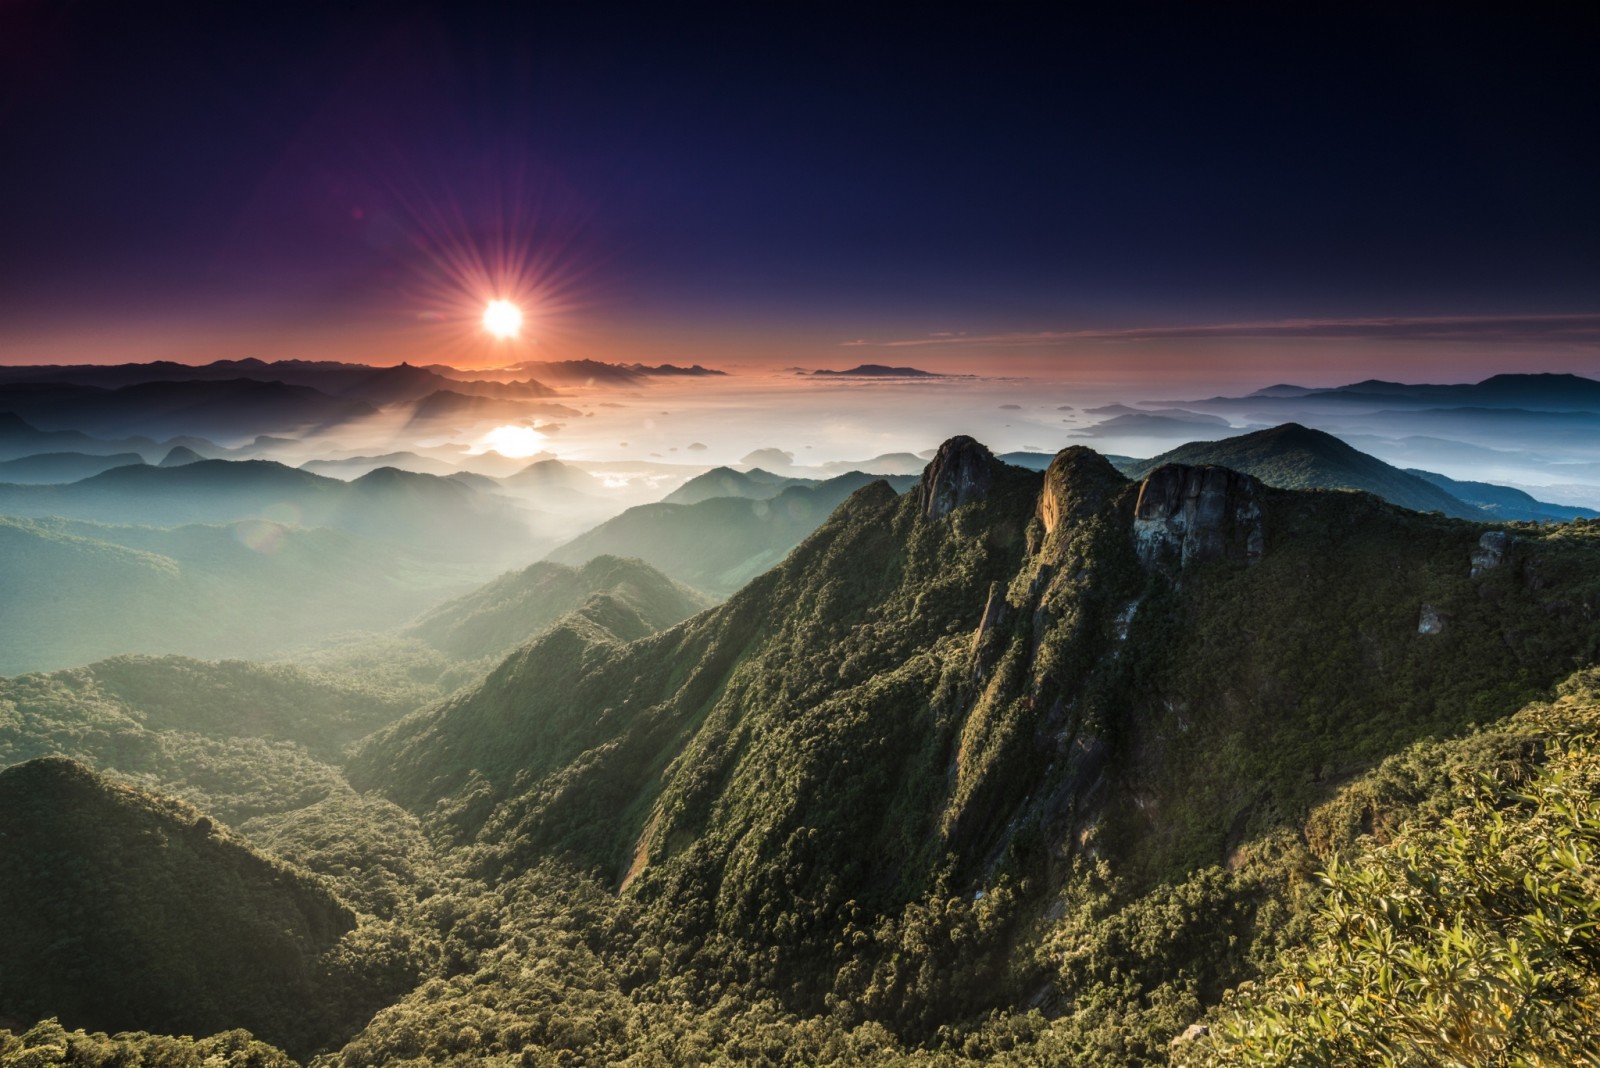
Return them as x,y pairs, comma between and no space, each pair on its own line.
1292,456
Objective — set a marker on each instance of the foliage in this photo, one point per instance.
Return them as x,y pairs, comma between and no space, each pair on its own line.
1470,938
119,908
48,1043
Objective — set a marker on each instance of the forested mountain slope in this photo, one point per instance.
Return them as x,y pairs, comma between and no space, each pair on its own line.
120,909
717,544
1019,768
1292,456
987,688
517,605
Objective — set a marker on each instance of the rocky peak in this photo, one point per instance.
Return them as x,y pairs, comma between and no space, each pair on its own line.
962,471
1190,514
1075,485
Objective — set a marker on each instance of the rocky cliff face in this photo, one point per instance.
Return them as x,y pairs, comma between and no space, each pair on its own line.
1077,484
1186,515
962,471
1491,552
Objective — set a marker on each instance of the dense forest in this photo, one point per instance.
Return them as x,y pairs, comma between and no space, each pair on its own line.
1018,767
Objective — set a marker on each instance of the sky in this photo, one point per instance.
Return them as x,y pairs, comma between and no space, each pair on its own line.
1171,195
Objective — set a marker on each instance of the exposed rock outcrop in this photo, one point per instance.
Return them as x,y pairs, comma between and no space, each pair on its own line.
962,471
1076,484
1191,514
1429,621
1491,552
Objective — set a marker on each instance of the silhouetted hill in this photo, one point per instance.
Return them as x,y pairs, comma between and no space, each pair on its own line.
380,386
230,409
490,620
352,467
878,370
546,475
57,467
406,384
595,372
179,455
1553,392
715,545
20,439
452,404
1296,457
121,910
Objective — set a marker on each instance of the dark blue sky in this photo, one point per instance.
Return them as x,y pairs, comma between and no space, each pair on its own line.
259,179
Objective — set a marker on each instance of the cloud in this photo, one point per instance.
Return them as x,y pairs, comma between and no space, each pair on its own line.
1580,328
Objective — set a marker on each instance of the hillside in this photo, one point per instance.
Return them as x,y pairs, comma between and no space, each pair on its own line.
77,591
996,690
50,467
122,910
754,484
422,513
490,620
1292,456
718,544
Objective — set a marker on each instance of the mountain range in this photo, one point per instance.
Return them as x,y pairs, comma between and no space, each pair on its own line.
716,544
1004,765
423,513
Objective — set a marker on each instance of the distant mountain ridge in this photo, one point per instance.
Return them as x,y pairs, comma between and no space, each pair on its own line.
76,591
1505,501
716,544
878,370
55,467
221,408
377,385
1292,456
425,513
596,372
492,619
1553,392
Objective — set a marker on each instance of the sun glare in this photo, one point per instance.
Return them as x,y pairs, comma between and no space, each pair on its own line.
513,441
503,319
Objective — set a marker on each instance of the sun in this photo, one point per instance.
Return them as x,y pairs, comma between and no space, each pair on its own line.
502,318
513,441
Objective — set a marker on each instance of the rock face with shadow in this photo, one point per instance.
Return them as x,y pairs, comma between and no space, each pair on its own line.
1492,550
1187,515
962,471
